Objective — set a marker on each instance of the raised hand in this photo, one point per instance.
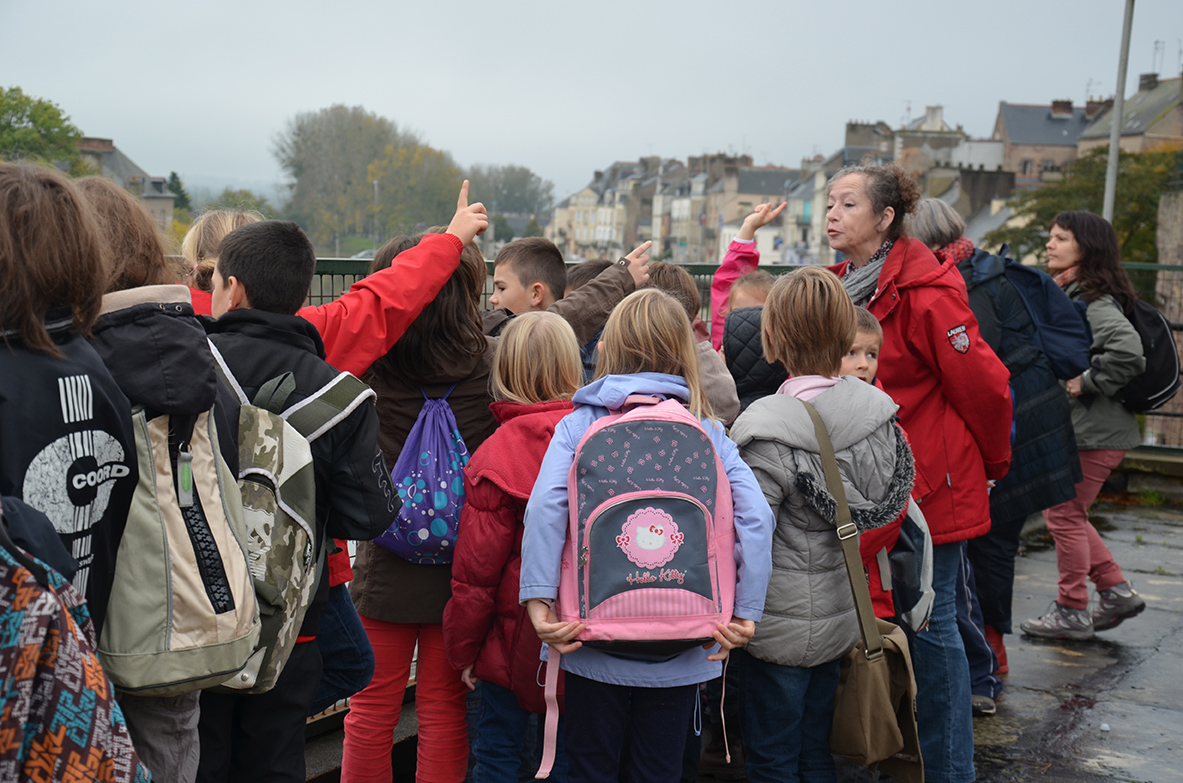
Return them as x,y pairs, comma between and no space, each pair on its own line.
638,263
764,214
470,220
559,635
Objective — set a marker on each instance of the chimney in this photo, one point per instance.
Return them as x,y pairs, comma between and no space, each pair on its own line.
934,119
1094,109
1147,82
1061,110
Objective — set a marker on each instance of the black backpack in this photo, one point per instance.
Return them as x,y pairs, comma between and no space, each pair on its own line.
1160,381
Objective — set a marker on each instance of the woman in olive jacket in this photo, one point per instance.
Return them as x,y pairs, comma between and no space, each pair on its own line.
1082,253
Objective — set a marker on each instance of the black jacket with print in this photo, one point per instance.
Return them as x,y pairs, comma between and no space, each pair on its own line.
67,449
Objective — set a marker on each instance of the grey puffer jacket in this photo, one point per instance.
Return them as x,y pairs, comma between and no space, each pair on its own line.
809,616
1101,422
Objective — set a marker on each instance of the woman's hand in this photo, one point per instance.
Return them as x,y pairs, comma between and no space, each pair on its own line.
763,215
467,678
1074,389
559,635
737,633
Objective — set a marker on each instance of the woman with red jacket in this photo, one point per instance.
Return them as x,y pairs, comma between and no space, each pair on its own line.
955,405
487,633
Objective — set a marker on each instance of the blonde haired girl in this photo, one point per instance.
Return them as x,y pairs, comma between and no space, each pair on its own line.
648,349
199,250
533,361
487,635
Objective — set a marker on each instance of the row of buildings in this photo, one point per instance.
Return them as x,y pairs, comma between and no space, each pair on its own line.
692,209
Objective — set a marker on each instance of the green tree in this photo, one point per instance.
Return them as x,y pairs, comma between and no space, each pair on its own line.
1141,177
532,228
326,156
243,201
510,188
501,228
36,128
416,188
177,188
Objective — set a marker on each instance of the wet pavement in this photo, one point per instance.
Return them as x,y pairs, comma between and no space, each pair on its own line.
1103,710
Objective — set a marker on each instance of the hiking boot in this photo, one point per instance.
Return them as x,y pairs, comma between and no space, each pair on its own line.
1060,622
1116,604
994,637
983,706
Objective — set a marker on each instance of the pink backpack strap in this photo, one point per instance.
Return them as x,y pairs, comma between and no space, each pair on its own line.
633,400
550,736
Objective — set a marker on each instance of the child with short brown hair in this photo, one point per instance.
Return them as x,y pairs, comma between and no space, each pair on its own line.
790,670
862,360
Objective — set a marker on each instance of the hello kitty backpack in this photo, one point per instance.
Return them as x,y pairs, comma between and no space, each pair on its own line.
648,565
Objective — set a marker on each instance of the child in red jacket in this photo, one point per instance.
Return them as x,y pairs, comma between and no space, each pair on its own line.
487,634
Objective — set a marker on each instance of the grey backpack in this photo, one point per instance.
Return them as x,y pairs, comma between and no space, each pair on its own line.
182,613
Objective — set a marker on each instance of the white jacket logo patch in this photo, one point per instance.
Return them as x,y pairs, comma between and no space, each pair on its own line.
958,338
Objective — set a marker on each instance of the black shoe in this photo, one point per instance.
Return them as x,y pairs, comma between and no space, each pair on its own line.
983,706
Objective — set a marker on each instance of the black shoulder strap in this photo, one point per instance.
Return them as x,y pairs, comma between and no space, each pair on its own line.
19,555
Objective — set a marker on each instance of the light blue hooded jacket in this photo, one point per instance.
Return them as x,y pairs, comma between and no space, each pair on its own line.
546,530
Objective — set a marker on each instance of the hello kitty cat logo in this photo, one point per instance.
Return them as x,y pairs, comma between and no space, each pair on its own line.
650,538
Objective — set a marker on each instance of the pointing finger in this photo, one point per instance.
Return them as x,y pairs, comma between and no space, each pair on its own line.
462,202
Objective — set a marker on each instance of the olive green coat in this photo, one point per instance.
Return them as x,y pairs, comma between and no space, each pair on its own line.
1100,422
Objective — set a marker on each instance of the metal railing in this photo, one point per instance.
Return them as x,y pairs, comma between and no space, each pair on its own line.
1159,284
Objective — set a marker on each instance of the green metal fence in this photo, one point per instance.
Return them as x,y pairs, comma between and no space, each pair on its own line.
1160,284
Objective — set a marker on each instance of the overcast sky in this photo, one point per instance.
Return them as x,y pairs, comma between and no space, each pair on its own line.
562,87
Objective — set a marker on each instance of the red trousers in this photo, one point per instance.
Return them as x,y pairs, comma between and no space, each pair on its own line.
439,705
1080,553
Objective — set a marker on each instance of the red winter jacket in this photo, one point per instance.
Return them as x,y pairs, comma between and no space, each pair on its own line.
484,625
366,322
953,392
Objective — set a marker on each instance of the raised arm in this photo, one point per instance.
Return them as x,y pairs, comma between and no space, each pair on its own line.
588,307
742,257
363,324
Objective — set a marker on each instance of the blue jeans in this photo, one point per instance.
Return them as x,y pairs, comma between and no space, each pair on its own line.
978,652
502,727
944,715
786,713
345,650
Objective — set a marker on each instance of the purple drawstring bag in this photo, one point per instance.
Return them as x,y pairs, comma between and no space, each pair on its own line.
429,477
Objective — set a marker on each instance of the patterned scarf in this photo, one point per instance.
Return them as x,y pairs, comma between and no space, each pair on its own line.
1067,276
861,283
959,249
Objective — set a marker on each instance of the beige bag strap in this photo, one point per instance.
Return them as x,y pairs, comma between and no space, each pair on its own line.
848,536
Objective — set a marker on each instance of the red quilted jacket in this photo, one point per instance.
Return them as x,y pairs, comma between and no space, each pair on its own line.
484,626
953,391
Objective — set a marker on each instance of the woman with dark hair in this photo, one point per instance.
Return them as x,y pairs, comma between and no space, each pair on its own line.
402,603
1083,255
956,408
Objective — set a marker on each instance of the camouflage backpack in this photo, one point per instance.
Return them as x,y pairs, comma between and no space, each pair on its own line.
278,485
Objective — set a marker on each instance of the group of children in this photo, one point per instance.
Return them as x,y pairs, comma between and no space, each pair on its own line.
96,325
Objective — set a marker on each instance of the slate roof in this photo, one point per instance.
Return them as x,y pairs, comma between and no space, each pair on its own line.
766,181
1140,110
1030,124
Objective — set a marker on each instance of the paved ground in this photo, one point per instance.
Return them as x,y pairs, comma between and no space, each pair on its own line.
1105,710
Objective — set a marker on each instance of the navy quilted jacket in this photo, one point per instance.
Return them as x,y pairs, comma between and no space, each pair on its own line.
754,377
